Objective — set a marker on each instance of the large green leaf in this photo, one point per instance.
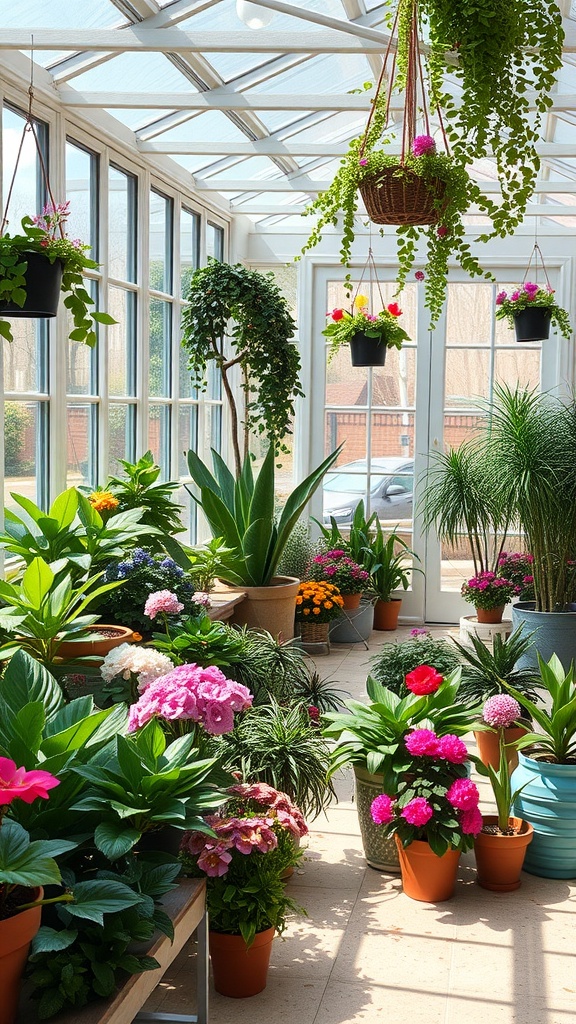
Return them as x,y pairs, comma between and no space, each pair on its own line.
200,474
95,898
37,581
225,479
114,839
26,680
64,507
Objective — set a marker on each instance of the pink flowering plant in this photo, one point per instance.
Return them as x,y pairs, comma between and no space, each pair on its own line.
487,590
518,567
250,845
530,295
45,234
336,567
382,327
435,801
373,735
190,697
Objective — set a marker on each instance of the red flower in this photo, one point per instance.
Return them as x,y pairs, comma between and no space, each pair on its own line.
17,783
394,309
424,679
442,231
337,314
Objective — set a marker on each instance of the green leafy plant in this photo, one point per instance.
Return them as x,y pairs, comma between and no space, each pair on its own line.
208,562
500,782
394,661
139,489
356,539
384,327
298,551
556,739
241,511
261,341
201,641
530,296
486,673
315,692
45,609
387,559
138,575
530,467
281,746
40,235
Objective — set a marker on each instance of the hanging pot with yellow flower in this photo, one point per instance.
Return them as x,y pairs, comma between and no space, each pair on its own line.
317,604
369,335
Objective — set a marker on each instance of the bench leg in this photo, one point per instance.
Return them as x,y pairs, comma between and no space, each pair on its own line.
201,1017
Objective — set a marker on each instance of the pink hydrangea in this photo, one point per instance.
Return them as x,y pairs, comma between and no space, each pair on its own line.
423,144
463,795
422,743
190,692
451,748
162,601
382,809
471,822
281,806
417,811
423,680
500,711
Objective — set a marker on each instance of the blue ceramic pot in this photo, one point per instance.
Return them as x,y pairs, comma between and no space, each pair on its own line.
554,633
548,802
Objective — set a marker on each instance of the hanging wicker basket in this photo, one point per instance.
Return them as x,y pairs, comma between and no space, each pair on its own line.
403,198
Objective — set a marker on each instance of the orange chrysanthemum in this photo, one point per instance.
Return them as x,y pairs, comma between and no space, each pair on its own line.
103,501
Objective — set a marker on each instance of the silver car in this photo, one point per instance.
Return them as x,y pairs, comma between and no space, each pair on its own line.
391,489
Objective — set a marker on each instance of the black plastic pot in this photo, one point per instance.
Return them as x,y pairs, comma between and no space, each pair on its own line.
366,351
532,324
43,281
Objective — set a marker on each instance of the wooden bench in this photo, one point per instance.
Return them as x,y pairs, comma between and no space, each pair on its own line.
186,906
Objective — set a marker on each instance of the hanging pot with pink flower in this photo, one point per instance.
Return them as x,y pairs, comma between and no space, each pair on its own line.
531,309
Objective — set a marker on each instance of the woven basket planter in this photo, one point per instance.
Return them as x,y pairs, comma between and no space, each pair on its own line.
314,632
406,198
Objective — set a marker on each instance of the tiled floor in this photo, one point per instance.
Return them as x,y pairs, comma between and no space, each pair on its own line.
367,953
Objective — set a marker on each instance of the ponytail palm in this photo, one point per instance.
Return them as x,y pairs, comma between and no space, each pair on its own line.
533,464
459,498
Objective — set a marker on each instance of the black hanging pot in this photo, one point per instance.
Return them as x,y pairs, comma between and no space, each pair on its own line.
367,351
533,323
43,282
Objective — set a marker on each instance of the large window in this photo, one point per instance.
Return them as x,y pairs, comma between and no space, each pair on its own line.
122,305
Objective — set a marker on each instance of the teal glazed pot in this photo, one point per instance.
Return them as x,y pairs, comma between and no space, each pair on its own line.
548,802
555,633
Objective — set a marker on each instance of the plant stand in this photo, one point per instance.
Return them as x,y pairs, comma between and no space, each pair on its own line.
469,626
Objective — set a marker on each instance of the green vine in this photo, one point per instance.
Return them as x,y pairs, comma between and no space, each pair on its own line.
261,342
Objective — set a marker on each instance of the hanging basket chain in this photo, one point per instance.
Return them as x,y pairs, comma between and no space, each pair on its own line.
369,266
536,255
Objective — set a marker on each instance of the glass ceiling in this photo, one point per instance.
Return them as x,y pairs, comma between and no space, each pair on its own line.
250,117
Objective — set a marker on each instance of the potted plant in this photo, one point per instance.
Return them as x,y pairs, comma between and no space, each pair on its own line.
546,774
317,604
489,594
517,566
387,559
38,264
500,847
368,335
261,344
139,575
432,813
369,737
348,576
530,310
243,853
394,661
530,441
242,512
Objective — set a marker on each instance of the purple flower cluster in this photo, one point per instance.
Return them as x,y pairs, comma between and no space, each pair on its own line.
518,568
336,567
487,590
192,693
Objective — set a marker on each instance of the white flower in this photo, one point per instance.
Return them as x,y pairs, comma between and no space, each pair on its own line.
144,662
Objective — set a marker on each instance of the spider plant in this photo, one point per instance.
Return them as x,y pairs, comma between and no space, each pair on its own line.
486,673
314,691
270,670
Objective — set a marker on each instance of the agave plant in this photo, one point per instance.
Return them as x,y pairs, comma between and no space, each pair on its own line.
486,673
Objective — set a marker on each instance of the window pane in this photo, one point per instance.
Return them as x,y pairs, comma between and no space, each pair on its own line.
28,194
82,191
159,436
160,243
160,379
25,447
215,241
213,427
189,248
122,435
470,314
25,367
214,382
185,384
82,445
187,435
467,376
122,224
121,343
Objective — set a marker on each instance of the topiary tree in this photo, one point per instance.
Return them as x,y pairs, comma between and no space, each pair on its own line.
261,345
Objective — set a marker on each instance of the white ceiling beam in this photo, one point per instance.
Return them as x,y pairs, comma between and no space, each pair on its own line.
267,209
302,183
275,147
227,99
139,39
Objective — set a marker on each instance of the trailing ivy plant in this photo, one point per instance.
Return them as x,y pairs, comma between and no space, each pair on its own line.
497,52
261,343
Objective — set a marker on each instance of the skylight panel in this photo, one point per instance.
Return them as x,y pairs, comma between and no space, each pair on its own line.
37,14
133,72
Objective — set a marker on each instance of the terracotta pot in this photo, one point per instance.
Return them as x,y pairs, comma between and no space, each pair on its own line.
271,608
489,746
490,615
97,648
386,613
351,600
426,877
240,972
499,858
16,934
